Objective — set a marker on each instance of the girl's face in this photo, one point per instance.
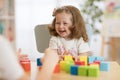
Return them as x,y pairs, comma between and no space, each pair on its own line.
62,24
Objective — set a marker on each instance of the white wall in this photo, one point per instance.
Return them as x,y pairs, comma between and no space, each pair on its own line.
28,14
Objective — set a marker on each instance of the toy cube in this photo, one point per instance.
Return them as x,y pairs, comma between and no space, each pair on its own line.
82,70
68,67
96,65
80,63
62,65
91,59
69,61
84,58
74,70
68,57
93,71
104,66
57,68
97,62
99,58
39,63
26,65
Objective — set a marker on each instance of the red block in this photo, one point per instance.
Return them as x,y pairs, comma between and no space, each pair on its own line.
57,68
26,65
97,62
81,63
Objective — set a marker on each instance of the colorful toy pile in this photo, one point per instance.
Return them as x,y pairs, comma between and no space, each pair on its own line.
83,66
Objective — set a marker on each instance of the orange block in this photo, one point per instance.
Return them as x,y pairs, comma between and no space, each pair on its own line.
26,65
57,68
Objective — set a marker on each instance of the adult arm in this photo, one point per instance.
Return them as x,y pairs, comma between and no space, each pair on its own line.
50,60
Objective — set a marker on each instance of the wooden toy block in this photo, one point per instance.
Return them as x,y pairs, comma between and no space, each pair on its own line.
84,58
99,58
68,57
39,63
80,63
62,65
57,68
26,65
97,62
69,61
104,66
74,70
91,59
93,71
68,66
82,70
95,65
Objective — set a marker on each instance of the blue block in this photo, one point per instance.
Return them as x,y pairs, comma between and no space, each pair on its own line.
91,59
104,66
74,70
39,63
99,58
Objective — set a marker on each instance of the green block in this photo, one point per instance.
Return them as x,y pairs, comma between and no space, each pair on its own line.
71,61
82,70
68,66
93,71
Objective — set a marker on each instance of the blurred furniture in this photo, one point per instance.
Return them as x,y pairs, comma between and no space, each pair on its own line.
112,44
7,20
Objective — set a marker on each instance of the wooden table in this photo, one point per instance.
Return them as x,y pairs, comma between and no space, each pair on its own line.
113,74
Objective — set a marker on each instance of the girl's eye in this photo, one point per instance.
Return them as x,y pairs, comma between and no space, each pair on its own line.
65,23
57,23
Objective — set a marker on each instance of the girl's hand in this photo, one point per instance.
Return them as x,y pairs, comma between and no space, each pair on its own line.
61,57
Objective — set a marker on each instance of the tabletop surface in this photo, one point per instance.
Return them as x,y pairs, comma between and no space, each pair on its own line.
112,74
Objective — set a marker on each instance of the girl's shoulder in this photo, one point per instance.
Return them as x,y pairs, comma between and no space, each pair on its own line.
80,40
53,37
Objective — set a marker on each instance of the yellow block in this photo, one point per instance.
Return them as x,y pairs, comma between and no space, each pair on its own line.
68,57
84,58
62,65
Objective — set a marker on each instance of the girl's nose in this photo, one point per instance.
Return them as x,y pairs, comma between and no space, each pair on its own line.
61,25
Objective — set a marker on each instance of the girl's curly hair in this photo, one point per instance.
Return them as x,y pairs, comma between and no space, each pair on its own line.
78,29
